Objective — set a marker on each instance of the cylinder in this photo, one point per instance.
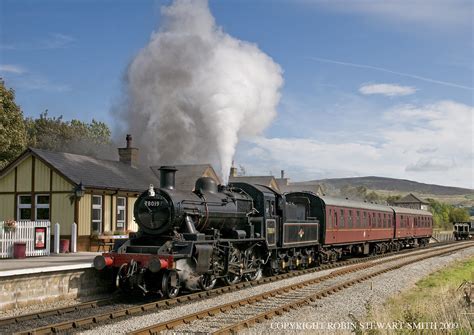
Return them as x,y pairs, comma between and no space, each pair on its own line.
167,177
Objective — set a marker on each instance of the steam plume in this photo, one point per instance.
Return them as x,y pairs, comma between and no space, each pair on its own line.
193,91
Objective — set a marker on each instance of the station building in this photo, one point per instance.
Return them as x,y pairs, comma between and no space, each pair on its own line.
412,201
97,194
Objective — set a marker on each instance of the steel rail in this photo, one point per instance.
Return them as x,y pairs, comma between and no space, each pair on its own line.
168,303
213,311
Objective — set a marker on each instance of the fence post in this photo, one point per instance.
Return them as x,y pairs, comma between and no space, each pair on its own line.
74,237
56,238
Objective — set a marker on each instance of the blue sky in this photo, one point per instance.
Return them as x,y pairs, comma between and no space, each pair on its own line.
370,88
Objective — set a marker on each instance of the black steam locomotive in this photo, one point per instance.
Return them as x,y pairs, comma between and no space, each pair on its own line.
191,239
237,232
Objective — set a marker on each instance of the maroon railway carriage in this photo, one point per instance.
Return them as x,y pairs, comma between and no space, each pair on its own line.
350,221
413,225
355,227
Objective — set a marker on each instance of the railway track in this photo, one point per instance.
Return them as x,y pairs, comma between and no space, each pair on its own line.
97,317
55,312
232,317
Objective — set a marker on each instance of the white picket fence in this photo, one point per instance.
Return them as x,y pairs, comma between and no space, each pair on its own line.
24,232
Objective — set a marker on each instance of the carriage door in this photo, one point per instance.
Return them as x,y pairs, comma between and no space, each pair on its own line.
416,224
332,224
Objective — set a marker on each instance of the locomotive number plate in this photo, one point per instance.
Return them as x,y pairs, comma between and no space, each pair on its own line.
152,203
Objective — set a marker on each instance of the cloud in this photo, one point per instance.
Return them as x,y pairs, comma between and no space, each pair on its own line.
432,13
402,74
51,41
430,143
56,41
12,69
38,83
431,164
389,90
19,77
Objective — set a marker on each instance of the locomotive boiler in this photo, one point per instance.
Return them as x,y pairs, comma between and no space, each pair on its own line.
165,210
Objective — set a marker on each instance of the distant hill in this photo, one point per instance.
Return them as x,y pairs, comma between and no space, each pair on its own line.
391,185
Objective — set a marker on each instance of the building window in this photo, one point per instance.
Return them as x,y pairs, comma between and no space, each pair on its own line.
42,207
24,207
96,213
121,213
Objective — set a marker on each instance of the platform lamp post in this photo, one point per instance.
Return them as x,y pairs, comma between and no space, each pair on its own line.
79,192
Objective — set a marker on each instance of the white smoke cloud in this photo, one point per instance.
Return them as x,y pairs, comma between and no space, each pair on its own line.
194,91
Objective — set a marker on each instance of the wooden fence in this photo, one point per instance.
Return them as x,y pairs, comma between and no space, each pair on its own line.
443,236
25,232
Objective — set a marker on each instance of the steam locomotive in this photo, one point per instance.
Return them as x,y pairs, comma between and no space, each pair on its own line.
189,240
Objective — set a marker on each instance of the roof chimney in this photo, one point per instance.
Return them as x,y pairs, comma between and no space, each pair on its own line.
128,155
233,170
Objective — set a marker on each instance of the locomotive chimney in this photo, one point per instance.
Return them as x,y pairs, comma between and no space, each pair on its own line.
167,177
128,155
282,174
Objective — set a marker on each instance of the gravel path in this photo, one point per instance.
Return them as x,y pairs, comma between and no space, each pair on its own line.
134,323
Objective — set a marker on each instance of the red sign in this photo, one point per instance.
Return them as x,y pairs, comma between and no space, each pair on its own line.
40,238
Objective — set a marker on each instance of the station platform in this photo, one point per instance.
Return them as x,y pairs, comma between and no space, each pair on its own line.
36,280
51,263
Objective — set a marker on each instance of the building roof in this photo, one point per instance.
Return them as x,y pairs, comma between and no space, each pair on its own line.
409,199
93,172
187,175
256,180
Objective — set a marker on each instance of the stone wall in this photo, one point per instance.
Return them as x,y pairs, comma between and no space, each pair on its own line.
24,290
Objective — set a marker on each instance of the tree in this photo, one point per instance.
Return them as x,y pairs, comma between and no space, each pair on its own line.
75,136
392,198
459,215
12,128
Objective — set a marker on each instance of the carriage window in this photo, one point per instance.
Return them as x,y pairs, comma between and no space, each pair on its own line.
358,219
379,220
342,218
335,218
349,220
401,221
365,219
